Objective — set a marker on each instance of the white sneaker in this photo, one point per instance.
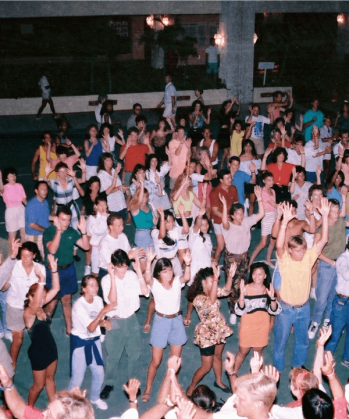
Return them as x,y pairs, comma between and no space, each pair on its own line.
2,334
313,329
326,323
232,318
313,293
100,404
88,270
8,336
102,338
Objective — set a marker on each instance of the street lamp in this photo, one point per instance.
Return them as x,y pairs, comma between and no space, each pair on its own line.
341,18
219,39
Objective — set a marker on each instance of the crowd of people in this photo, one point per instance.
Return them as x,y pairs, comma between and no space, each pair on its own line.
184,191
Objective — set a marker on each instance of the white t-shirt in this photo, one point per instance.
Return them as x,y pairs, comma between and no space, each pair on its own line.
128,291
293,157
170,91
97,228
20,283
83,314
336,147
303,196
213,53
196,178
167,301
312,162
163,250
45,92
108,245
200,252
257,129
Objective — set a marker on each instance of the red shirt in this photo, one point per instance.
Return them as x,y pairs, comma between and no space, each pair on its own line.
231,197
281,177
287,144
134,155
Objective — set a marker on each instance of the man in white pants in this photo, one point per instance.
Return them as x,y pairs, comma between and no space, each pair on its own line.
169,100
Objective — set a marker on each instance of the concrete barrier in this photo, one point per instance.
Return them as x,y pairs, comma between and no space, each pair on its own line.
78,104
265,94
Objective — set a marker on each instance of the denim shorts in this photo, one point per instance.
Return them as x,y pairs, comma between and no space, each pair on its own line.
167,331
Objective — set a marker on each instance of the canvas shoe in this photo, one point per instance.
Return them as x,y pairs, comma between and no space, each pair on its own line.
313,329
100,404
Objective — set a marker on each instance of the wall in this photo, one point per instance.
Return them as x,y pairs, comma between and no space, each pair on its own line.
77,104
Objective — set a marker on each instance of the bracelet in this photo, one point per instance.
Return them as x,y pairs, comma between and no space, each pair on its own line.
233,373
311,213
168,402
134,401
329,375
273,299
83,234
187,265
253,172
10,387
43,283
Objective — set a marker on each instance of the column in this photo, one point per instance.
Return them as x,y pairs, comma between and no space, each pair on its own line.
237,24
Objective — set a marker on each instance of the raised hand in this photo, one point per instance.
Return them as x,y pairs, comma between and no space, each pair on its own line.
287,212
232,270
243,289
117,169
216,271
252,166
301,117
82,164
57,223
256,362
47,169
279,210
267,152
223,200
71,173
185,409
318,170
272,373
174,362
187,257
38,273
15,245
53,263
229,362
271,291
329,364
82,225
150,255
201,212
131,388
325,333
111,270
344,191
161,212
325,207
309,205
258,192
294,172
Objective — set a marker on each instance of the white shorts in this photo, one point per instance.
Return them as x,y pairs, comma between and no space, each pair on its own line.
218,228
168,111
15,218
268,222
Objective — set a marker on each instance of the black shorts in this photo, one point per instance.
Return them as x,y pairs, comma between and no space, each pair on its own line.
209,351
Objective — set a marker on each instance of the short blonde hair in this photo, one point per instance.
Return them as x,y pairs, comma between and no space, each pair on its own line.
303,380
295,241
75,406
260,388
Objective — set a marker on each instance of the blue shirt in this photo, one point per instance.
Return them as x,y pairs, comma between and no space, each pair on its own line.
97,151
36,212
334,194
308,116
239,180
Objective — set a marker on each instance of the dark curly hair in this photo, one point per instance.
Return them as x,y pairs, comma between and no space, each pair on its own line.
196,287
264,266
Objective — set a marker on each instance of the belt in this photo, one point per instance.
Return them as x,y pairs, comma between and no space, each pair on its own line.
65,266
292,305
169,316
342,296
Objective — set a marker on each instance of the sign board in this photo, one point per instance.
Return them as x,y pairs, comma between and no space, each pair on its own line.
265,65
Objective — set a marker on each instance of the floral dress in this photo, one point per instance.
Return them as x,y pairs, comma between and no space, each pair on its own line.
212,329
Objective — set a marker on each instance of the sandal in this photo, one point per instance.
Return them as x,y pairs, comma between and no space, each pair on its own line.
186,322
146,329
145,397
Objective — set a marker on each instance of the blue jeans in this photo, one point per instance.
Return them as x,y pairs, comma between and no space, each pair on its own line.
143,239
339,320
3,325
299,318
325,291
79,368
311,176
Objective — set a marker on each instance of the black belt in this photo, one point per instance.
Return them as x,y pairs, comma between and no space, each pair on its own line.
65,266
342,296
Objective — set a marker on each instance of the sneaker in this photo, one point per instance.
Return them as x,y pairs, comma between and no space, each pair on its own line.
8,336
326,323
232,318
106,392
345,363
100,404
88,270
313,329
313,293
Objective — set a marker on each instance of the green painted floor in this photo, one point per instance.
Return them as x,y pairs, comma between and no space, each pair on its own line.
17,145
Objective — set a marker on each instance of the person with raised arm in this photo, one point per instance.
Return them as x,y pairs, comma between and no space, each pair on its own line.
237,250
295,264
211,333
43,350
168,325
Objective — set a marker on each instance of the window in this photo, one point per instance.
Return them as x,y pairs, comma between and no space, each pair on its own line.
213,29
196,30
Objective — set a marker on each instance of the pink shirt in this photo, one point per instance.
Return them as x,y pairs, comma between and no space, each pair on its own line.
178,162
267,197
13,195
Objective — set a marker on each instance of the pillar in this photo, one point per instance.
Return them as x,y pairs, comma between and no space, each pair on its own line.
237,24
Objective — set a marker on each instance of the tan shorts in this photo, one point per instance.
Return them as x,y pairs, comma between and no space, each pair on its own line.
14,318
218,228
15,218
259,144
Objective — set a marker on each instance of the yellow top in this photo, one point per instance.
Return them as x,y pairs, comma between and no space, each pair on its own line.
187,204
296,276
236,143
43,161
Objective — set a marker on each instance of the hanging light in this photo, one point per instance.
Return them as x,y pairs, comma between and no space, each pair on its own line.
341,18
165,20
255,38
150,20
219,39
